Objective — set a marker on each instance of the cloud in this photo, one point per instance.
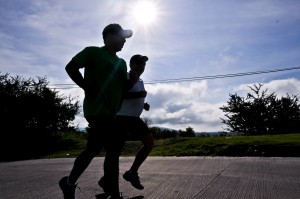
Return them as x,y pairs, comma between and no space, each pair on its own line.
283,87
167,95
226,58
280,87
181,105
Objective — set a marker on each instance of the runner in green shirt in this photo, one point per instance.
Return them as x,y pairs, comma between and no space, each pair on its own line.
104,82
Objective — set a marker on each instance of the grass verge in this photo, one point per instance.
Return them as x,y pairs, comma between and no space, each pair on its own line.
287,145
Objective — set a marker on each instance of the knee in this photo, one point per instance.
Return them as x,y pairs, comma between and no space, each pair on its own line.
148,142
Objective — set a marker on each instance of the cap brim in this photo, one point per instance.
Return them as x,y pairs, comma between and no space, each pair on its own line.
145,58
126,33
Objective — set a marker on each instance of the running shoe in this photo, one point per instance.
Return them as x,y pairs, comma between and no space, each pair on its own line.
68,190
134,179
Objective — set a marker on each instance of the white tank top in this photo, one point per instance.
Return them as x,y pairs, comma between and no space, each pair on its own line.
133,107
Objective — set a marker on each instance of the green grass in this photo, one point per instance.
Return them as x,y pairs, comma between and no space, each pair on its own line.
287,145
268,145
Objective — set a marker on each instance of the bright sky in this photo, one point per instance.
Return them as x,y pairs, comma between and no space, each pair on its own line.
182,38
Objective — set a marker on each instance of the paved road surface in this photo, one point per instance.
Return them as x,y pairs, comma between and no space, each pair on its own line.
163,178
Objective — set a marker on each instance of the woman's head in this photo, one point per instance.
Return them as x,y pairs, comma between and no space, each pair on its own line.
137,63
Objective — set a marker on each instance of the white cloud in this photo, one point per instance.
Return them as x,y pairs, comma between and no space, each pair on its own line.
279,87
283,87
181,105
177,106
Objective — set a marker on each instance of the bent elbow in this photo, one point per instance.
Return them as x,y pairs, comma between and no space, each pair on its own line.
71,66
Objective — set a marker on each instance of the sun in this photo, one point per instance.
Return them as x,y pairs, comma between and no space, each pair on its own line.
145,12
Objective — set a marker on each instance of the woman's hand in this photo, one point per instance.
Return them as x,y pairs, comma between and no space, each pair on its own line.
146,106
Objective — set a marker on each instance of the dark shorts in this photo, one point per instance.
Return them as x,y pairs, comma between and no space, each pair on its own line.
134,127
104,133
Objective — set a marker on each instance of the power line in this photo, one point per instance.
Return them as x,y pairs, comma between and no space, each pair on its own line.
221,76
199,78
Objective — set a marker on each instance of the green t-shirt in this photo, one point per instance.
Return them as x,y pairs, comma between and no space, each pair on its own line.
109,73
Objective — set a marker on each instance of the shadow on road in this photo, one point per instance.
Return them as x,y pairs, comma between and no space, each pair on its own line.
105,196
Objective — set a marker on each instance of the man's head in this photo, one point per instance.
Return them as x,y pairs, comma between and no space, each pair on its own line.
116,29
137,63
114,36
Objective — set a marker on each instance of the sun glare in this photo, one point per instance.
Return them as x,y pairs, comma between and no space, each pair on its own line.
145,12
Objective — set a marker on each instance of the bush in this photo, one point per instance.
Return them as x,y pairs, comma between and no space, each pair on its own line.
31,116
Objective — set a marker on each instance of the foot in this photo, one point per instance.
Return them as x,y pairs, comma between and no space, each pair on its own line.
68,190
104,186
134,179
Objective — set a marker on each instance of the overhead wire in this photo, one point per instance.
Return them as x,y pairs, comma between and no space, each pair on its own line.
220,76
210,77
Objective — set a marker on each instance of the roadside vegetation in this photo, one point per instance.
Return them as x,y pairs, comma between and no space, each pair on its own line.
284,145
37,122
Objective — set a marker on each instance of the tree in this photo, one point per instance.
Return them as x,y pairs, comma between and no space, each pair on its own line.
147,121
31,114
262,113
189,132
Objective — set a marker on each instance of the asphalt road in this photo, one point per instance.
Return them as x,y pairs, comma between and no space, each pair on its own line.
163,178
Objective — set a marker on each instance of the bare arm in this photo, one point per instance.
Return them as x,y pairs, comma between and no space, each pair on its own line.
133,78
72,69
132,95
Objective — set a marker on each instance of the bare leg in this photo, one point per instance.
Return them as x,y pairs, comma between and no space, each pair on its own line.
111,163
81,163
94,146
143,152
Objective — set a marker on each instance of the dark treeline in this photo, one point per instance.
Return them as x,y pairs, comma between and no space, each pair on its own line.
36,120
32,115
